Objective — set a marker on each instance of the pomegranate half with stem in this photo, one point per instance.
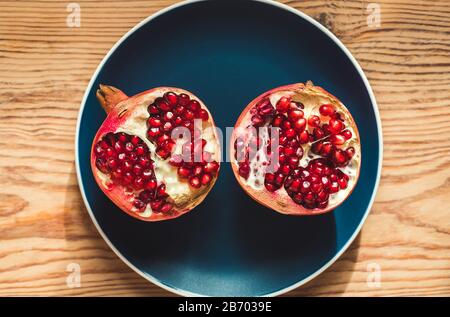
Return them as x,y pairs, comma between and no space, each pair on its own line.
157,154
296,150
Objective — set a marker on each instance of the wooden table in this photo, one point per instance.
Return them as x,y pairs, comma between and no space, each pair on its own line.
45,67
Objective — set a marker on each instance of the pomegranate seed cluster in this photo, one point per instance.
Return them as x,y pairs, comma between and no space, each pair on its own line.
179,110
311,186
326,132
125,158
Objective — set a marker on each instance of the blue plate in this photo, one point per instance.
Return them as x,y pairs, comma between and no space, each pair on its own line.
227,53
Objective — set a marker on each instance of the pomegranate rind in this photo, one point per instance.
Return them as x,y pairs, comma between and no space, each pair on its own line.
132,112
279,200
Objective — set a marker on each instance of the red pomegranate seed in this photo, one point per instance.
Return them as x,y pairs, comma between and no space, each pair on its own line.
194,106
316,188
326,110
269,178
104,145
323,204
339,157
290,133
144,161
112,163
99,152
171,98
300,124
297,198
178,110
350,152
206,178
295,185
139,182
285,169
309,198
166,208
244,170
289,151
303,137
337,139
137,170
203,114
322,196
162,104
153,132
335,126
318,133
257,120
286,125
342,183
168,116
327,148
162,138
334,177
133,157
183,99
129,147
197,170
139,204
127,178
316,147
283,104
110,152
123,137
101,165
118,147
195,182
152,109
347,134
147,173
156,205
268,110
270,187
278,121
304,187
283,140
127,165
146,196
183,172
333,187
178,121
294,115
135,140
161,191
167,127
313,121
140,150
293,161
151,185
188,115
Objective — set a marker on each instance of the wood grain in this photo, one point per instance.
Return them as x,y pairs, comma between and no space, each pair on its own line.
45,67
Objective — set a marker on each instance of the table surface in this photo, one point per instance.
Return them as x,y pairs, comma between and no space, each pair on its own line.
45,67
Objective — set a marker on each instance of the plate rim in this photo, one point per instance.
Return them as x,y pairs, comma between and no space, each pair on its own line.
309,19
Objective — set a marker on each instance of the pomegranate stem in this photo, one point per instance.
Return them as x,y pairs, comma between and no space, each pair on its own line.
109,97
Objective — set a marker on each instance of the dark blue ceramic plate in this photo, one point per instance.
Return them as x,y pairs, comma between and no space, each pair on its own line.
227,53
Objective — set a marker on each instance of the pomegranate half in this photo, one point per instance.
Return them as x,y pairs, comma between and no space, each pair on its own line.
157,154
296,150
